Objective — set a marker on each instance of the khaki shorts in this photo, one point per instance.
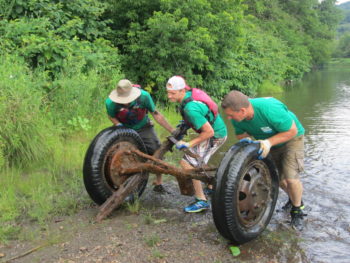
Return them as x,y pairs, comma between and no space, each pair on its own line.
205,150
289,158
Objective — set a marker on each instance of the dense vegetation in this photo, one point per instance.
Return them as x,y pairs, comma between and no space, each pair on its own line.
343,37
61,58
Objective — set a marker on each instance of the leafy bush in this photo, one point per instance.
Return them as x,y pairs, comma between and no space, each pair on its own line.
262,58
70,19
268,88
76,94
45,48
343,47
189,38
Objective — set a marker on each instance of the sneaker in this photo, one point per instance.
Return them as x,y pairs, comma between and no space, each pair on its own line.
160,189
198,206
288,206
208,192
297,215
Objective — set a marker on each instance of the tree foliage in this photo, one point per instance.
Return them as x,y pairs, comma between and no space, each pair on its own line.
47,32
191,38
80,48
343,48
307,26
343,39
221,45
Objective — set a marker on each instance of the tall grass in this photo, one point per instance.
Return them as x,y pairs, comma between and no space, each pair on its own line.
53,187
77,97
23,128
45,129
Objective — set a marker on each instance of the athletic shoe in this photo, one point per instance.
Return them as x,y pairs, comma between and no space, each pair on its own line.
297,215
288,205
198,206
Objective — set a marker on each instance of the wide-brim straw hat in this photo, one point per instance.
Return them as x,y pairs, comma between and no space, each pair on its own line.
124,92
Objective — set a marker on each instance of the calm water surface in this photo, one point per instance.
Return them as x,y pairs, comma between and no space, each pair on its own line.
322,103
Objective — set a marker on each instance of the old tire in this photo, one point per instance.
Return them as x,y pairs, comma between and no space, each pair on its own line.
97,181
245,195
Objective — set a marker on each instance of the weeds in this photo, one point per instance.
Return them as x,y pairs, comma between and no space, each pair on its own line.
128,226
148,218
152,240
47,189
157,254
23,126
135,206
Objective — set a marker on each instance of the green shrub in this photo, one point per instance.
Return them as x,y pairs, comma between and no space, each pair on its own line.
2,155
41,46
76,97
267,88
189,38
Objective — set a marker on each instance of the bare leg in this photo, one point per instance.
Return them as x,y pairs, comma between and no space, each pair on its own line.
198,189
158,180
284,186
295,191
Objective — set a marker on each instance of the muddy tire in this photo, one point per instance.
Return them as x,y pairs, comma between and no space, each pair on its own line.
245,195
96,171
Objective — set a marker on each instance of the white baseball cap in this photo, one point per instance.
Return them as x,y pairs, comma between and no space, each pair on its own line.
176,83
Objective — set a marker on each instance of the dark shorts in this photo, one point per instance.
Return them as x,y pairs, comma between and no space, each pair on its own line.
149,138
289,158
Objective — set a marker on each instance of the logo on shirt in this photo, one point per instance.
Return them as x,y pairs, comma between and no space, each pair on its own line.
266,129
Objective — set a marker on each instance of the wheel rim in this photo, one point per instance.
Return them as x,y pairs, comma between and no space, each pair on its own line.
115,181
254,194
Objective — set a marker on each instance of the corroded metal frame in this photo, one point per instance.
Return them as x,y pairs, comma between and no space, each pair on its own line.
126,169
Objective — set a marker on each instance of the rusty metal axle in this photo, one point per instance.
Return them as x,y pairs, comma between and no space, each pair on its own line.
128,167
157,166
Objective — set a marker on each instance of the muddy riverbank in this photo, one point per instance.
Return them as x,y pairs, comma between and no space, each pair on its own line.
159,232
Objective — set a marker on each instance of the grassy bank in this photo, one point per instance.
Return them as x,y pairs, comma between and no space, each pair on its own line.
52,186
45,128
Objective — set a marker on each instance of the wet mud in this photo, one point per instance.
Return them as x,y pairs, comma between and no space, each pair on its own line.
159,232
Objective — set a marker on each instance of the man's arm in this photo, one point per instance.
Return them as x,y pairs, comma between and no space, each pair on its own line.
206,133
114,120
241,136
282,137
162,121
278,138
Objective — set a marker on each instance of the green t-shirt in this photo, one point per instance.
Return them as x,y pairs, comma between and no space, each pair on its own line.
270,117
143,102
196,112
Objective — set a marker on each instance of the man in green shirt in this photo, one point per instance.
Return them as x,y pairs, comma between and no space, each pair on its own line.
279,132
211,131
128,106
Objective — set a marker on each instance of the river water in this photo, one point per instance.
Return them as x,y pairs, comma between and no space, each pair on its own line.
322,103
321,100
